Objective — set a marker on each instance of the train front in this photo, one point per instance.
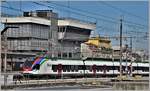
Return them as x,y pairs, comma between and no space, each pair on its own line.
33,67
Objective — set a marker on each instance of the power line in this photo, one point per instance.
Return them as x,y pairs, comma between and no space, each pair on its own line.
66,11
43,5
92,13
77,13
121,10
110,21
114,19
12,8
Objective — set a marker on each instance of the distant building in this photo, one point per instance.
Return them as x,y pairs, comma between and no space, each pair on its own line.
96,47
141,55
99,42
43,31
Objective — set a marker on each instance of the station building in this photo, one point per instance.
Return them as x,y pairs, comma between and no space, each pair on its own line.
42,31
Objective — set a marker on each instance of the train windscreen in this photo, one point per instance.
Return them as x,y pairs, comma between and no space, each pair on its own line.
27,65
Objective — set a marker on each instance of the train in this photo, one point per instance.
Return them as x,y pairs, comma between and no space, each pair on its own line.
42,67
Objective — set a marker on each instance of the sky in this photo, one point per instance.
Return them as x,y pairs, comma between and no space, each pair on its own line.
103,13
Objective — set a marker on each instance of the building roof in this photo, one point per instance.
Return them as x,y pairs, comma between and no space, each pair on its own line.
38,20
97,40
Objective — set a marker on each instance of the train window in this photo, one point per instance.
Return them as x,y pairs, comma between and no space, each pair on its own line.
54,68
87,67
70,55
145,69
113,67
59,55
133,69
118,68
98,68
76,68
101,68
80,67
90,69
68,68
137,68
84,67
64,55
123,68
64,68
37,67
108,68
72,67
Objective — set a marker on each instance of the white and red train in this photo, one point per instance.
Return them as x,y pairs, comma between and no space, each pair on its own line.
91,67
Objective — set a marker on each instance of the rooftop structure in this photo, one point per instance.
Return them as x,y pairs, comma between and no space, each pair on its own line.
96,47
99,42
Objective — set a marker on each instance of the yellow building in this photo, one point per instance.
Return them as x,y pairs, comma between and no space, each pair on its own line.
99,42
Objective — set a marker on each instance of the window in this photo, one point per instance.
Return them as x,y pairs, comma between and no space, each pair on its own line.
68,68
59,55
80,67
145,69
72,67
90,69
37,67
65,55
64,68
70,55
87,67
76,68
54,68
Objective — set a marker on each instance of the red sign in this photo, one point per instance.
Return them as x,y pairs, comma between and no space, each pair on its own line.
59,68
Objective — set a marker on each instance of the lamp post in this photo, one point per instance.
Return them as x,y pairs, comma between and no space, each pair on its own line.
0,55
126,57
113,60
84,68
121,47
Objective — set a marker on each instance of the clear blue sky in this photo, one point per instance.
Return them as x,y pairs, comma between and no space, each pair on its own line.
134,11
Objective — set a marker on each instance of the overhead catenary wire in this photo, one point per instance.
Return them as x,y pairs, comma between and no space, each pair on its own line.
81,14
121,10
53,7
92,13
12,8
97,26
96,14
126,23
129,23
